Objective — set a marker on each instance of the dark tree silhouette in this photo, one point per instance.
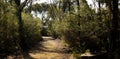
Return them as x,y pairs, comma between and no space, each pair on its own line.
114,36
19,8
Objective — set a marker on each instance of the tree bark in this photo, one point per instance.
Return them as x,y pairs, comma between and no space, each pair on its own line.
114,39
20,28
114,29
78,7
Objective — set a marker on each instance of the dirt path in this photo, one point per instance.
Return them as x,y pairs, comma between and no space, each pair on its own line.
49,49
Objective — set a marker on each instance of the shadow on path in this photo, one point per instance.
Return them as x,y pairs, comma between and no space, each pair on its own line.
27,56
49,48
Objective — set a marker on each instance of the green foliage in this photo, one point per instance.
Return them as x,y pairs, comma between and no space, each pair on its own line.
8,29
32,29
9,35
80,27
82,30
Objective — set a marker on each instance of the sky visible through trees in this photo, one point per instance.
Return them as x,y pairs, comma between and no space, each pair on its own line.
78,28
90,2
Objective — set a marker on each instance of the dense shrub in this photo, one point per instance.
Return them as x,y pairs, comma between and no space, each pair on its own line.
88,35
9,35
68,29
32,29
8,29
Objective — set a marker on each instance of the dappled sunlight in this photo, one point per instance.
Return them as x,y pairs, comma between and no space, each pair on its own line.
50,55
49,49
59,29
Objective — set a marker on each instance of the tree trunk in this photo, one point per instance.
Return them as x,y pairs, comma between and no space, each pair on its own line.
20,28
114,30
78,4
78,7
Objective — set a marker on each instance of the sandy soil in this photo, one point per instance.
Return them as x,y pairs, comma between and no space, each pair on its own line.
50,49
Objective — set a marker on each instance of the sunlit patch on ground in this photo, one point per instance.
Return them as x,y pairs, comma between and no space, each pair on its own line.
50,55
51,49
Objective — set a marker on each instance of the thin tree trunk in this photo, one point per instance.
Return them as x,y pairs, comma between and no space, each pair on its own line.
78,7
78,4
20,28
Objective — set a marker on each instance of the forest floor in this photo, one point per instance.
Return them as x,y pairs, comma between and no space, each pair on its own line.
49,48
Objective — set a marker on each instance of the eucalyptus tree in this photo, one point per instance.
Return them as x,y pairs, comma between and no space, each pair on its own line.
19,8
114,39
18,30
